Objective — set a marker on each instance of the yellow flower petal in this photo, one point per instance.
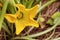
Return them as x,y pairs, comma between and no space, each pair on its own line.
18,14
19,27
10,18
20,7
30,22
26,20
32,11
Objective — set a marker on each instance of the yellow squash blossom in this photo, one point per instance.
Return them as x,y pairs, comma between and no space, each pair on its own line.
23,17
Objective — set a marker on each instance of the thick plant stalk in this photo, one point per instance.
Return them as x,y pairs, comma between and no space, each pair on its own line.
4,7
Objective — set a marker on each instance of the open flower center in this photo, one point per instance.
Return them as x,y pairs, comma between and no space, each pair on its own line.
20,16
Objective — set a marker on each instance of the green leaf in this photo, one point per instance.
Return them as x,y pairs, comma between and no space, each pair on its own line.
56,19
11,8
36,2
50,21
29,3
55,15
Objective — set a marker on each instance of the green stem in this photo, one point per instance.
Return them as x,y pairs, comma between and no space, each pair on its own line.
46,4
27,38
12,2
41,33
3,12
